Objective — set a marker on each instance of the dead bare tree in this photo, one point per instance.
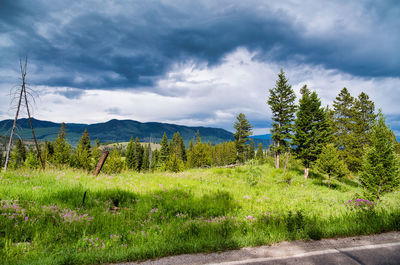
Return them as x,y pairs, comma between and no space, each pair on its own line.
22,93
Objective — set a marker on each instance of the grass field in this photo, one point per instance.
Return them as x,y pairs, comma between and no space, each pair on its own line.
133,216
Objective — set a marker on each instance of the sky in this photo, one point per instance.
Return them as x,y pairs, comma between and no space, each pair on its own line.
195,63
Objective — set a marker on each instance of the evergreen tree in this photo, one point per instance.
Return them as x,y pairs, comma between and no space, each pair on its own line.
155,159
260,152
138,155
18,155
343,108
190,145
243,131
83,152
146,158
62,149
330,163
114,163
177,147
312,129
96,153
164,151
174,163
282,102
380,169
199,155
362,123
252,150
130,155
32,160
47,152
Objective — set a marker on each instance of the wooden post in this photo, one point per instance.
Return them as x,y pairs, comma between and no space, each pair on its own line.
102,160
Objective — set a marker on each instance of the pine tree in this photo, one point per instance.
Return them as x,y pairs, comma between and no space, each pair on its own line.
343,108
243,131
330,163
252,150
32,160
138,155
155,157
380,169
146,158
282,102
62,149
260,153
130,155
83,152
114,163
47,152
18,155
199,155
174,163
96,153
312,129
177,147
362,123
164,151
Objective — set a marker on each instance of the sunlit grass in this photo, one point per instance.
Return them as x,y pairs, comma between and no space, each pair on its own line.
132,216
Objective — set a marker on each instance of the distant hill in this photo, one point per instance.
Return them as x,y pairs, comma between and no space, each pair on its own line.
262,137
114,131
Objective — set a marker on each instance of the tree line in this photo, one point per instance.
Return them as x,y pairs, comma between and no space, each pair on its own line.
349,138
142,157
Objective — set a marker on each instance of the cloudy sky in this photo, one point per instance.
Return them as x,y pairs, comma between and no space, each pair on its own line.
195,62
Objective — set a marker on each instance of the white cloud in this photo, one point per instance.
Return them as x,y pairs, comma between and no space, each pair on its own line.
209,96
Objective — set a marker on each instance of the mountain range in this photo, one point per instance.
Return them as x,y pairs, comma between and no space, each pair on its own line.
118,131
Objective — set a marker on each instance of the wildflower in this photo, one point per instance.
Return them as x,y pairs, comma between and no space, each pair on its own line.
154,210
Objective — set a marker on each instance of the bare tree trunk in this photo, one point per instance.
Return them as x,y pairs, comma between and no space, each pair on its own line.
277,150
329,181
101,162
277,157
306,170
286,162
23,72
12,130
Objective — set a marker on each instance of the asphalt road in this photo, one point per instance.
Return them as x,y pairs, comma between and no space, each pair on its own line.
364,255
365,250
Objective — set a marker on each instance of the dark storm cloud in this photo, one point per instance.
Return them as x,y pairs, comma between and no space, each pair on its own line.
71,93
90,46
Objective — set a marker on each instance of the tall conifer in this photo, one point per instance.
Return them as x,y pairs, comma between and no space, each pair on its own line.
243,131
363,121
138,155
343,108
312,129
380,169
282,102
130,155
164,151
260,153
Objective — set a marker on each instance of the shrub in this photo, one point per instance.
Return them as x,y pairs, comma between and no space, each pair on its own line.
32,161
114,163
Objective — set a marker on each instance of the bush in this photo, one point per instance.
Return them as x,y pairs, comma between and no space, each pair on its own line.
32,161
114,163
174,164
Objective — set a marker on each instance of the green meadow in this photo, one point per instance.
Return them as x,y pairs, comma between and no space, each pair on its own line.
45,218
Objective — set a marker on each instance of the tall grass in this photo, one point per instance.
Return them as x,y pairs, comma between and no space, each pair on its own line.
132,216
